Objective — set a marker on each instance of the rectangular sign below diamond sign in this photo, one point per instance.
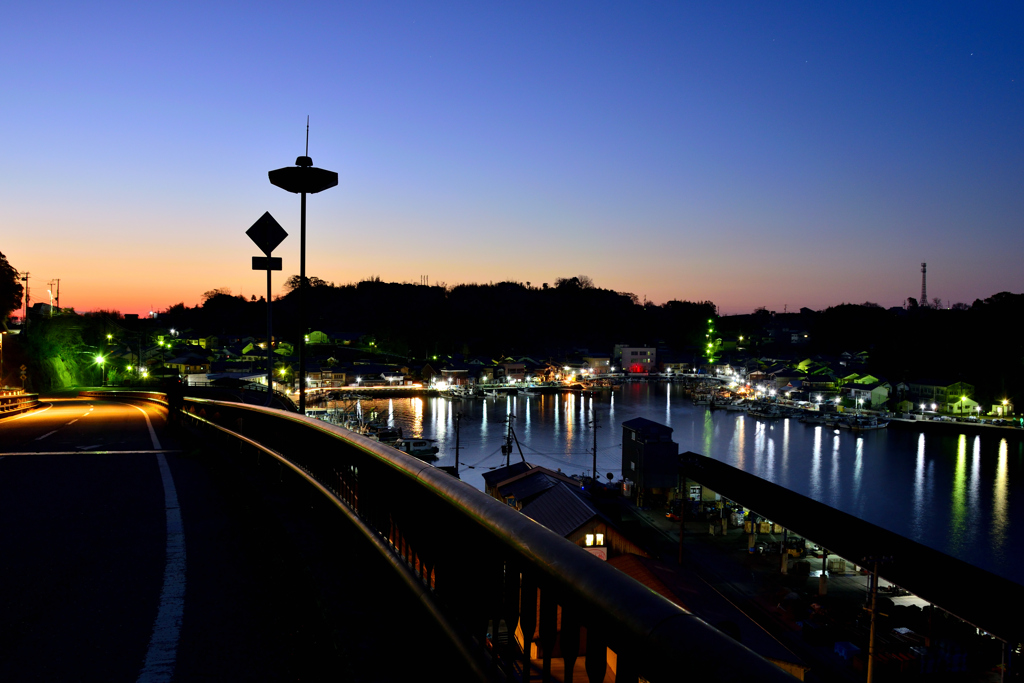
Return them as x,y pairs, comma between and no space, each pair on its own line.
266,263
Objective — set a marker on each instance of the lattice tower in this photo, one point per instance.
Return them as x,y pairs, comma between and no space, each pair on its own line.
924,284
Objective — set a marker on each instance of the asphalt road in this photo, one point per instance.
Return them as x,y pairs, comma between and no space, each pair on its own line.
82,541
262,588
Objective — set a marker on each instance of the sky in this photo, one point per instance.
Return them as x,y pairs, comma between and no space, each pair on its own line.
754,154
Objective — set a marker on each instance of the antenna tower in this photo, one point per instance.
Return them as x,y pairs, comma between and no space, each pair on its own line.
924,285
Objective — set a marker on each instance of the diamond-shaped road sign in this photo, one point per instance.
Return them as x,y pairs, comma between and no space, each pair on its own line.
267,233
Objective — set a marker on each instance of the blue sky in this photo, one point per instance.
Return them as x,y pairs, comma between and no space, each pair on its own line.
803,155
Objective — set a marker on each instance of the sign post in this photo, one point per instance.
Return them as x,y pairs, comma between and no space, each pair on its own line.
267,233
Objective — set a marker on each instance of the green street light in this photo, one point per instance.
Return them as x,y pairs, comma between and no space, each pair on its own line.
100,360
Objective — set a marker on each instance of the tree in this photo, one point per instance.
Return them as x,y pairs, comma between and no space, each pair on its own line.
293,282
220,291
10,289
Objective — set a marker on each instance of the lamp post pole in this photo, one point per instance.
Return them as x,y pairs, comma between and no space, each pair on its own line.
303,178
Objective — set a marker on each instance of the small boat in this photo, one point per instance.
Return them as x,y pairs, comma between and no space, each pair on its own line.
862,423
419,448
382,433
766,412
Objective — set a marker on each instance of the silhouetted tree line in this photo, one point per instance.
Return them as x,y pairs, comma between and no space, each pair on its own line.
979,343
495,318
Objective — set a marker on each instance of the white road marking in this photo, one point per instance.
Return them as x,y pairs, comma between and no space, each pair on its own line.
40,438
162,654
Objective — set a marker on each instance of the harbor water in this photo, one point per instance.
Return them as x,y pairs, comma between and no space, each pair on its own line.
959,493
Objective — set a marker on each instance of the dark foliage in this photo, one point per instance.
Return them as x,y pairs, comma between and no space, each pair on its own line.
495,318
11,289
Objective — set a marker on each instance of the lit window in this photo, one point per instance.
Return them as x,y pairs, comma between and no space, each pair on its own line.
590,540
600,539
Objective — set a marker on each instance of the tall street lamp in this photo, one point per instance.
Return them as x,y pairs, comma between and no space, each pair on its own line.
303,178
100,360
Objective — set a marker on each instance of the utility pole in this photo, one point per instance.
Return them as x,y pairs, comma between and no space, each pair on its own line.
508,441
24,278
874,614
593,413
56,297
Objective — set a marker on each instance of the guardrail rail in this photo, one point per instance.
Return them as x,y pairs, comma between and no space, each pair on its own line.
17,402
511,595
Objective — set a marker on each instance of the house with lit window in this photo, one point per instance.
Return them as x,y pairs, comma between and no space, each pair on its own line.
566,511
947,396
870,395
189,364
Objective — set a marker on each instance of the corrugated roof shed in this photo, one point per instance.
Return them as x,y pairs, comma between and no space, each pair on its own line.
560,510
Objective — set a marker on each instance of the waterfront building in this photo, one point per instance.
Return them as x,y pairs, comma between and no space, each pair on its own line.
650,460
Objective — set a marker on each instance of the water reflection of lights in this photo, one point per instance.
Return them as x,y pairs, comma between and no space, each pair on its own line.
974,499
919,480
417,416
958,507
833,486
1000,518
785,447
816,464
858,472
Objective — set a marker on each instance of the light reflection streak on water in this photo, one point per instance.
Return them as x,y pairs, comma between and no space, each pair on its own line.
570,422
816,464
858,471
668,405
919,507
769,464
833,487
759,439
974,499
417,417
557,414
741,440
958,508
709,431
527,418
781,476
1000,515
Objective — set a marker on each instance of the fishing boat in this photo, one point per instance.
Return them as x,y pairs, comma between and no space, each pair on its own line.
768,411
423,449
863,423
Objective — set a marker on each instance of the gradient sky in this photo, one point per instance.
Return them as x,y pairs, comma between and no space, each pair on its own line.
759,155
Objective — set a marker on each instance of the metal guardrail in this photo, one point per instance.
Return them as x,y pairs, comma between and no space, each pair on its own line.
510,594
17,402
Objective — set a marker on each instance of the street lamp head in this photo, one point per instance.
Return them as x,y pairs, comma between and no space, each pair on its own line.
303,177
